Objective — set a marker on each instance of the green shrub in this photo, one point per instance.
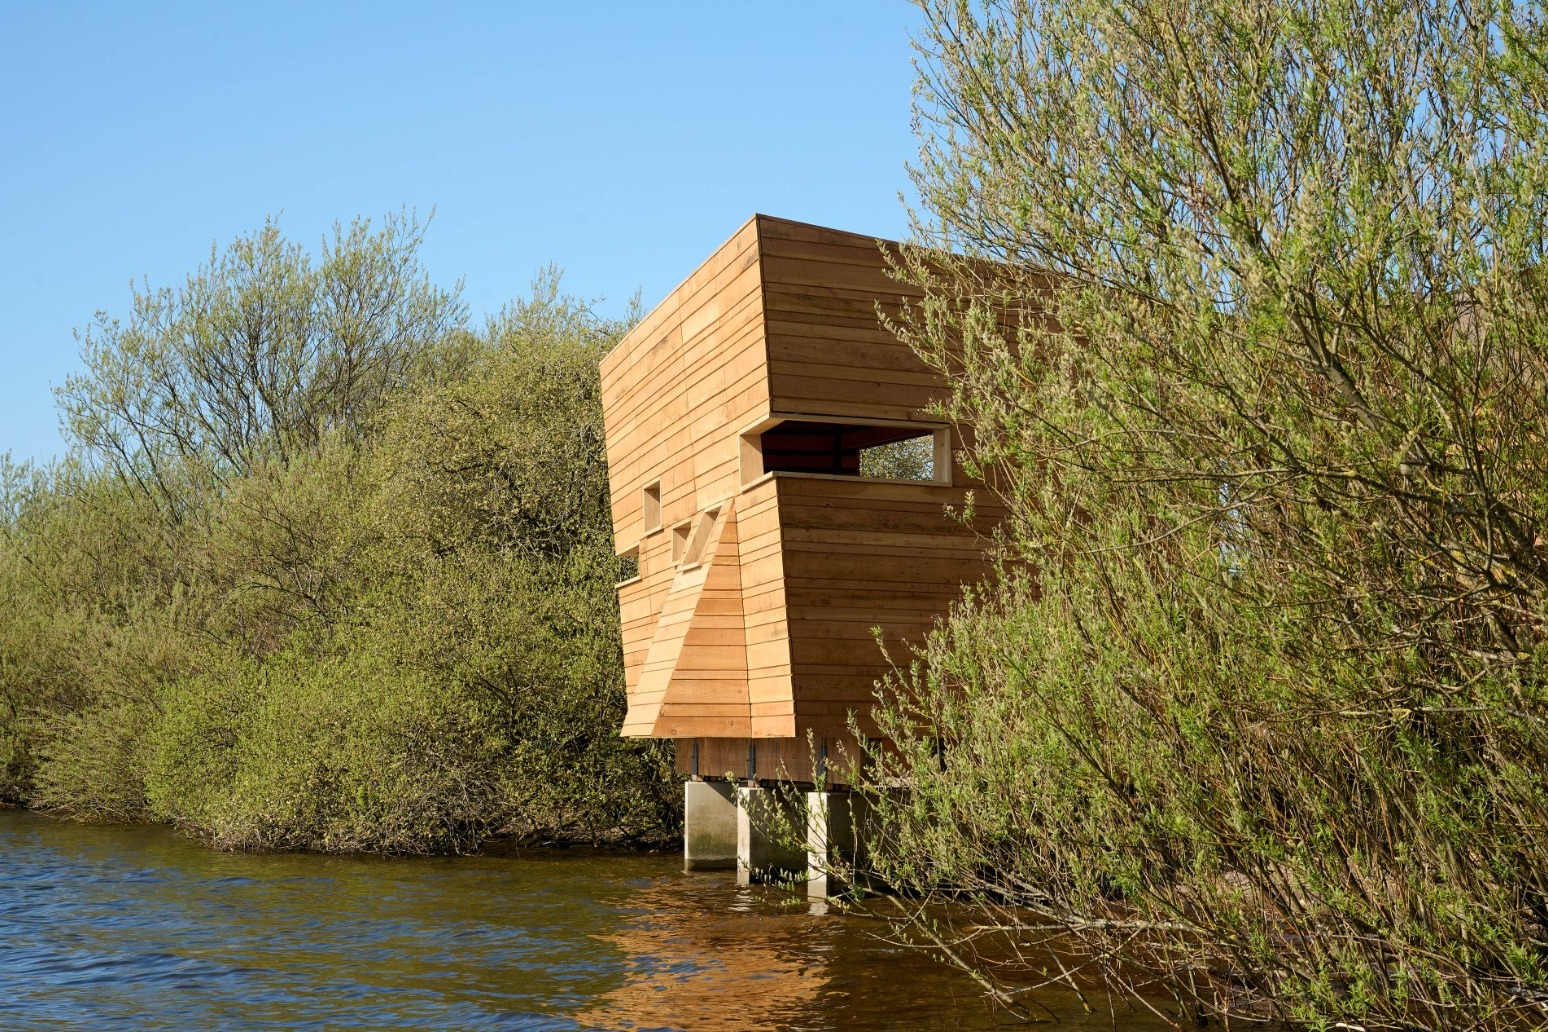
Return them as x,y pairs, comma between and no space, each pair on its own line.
389,627
1250,328
330,754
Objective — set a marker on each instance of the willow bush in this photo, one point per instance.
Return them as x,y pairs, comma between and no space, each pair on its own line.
372,610
1246,308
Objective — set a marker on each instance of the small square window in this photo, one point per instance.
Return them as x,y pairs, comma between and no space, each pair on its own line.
629,566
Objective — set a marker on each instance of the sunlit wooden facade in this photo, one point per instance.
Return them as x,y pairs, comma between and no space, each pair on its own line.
739,415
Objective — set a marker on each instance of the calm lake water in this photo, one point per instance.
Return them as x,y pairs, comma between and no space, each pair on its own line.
136,928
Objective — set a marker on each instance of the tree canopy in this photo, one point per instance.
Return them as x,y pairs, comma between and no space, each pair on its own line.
1249,317
260,354
326,569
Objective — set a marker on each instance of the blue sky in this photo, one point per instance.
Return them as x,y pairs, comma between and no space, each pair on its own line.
622,141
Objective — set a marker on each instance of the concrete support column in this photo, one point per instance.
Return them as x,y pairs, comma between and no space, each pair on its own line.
833,823
767,825
709,826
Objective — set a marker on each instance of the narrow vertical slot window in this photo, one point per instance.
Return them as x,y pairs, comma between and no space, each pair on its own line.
650,506
680,540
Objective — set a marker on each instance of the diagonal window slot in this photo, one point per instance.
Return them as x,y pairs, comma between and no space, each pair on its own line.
694,552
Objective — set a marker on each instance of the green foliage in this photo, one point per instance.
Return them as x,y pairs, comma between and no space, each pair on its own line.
334,753
913,459
258,355
1257,710
391,627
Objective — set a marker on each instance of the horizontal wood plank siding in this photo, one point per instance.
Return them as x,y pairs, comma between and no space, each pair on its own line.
829,352
675,392
775,637
860,556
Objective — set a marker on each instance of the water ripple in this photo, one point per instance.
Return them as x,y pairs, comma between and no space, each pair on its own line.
134,928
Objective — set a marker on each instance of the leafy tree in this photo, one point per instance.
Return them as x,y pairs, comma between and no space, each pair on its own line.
376,616
912,459
1249,319
258,355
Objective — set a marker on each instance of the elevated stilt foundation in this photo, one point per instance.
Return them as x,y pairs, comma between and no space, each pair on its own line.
768,825
756,832
833,821
709,826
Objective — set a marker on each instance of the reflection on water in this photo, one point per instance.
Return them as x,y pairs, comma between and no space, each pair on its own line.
134,928
730,968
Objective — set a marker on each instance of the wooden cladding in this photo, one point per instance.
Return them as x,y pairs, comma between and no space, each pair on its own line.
776,469
830,761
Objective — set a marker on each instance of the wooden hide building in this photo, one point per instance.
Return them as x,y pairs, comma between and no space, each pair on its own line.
747,417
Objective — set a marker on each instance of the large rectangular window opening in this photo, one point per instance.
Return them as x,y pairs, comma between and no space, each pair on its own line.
870,452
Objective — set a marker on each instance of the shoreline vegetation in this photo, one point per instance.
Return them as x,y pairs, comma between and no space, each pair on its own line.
1245,304
326,570
1251,323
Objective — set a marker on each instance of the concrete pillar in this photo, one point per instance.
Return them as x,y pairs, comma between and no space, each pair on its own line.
767,836
709,826
833,823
